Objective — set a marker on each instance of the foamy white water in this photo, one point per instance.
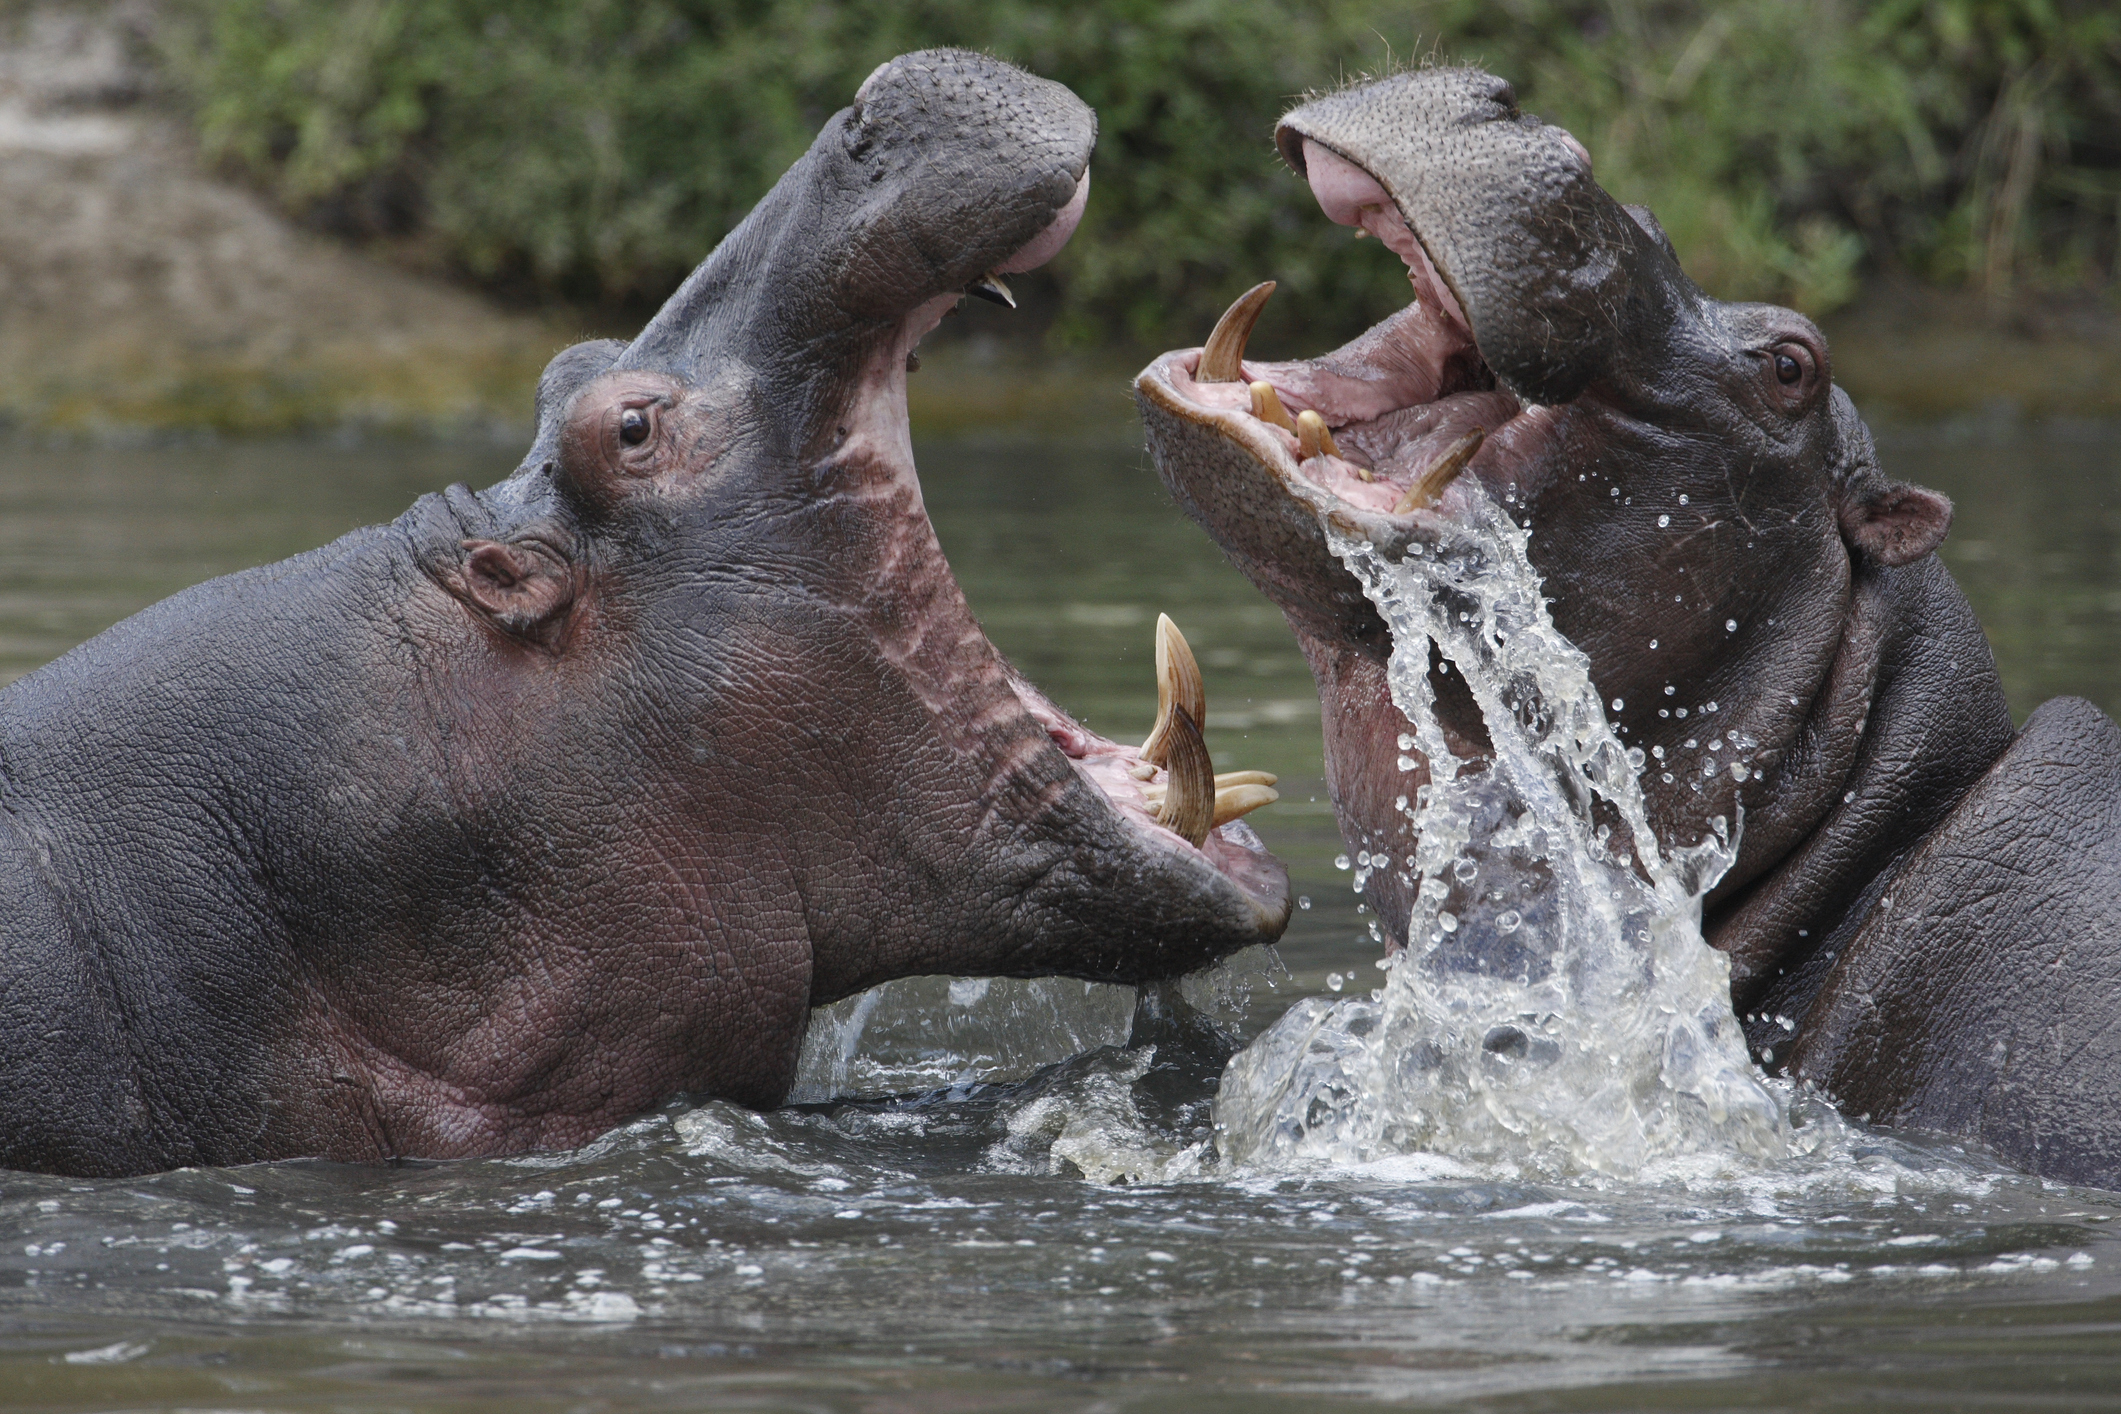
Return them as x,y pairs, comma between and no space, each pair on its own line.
1556,1010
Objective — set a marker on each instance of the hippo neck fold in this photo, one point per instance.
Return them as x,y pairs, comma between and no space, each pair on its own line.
1909,717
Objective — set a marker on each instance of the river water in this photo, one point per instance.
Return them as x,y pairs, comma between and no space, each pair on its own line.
1058,1237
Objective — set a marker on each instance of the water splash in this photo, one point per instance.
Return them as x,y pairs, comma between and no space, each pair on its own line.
1556,1009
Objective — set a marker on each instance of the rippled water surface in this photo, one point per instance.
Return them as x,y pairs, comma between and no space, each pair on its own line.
946,1251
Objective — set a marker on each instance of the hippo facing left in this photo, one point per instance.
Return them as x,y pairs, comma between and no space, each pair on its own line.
485,829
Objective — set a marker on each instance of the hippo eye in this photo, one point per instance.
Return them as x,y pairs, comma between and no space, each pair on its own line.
633,426
1787,369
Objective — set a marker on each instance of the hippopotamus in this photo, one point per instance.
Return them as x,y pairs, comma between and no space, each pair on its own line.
485,829
1923,914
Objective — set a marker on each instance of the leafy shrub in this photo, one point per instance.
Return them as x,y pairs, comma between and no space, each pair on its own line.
593,151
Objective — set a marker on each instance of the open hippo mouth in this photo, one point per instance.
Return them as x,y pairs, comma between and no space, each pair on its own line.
1368,435
1165,789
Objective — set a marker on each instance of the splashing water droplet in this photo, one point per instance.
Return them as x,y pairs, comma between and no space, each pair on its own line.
1621,1050
1342,862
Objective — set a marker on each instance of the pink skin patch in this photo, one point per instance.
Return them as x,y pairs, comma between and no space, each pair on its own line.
1047,243
1352,197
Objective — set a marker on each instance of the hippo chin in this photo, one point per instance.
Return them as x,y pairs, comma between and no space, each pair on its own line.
1924,914
485,829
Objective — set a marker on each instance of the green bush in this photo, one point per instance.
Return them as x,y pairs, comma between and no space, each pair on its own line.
592,151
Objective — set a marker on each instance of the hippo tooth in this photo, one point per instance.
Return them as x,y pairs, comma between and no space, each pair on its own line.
1312,437
1222,358
1440,473
1178,685
1143,771
1224,780
993,288
1266,406
1238,801
1233,798
1188,809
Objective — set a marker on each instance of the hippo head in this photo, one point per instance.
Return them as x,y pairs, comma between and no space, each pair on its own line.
711,609
1703,503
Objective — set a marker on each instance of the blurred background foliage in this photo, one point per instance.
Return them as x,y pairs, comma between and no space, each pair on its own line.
590,152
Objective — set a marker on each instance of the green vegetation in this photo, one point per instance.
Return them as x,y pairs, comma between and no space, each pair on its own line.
593,151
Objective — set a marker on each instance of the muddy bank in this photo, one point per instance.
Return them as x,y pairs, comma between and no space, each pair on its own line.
138,292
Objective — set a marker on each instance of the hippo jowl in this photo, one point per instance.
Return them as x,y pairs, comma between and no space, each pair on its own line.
1924,915
482,830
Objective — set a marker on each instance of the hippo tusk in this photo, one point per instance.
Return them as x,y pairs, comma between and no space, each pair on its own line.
1313,438
1188,808
1440,473
1178,685
1222,358
992,288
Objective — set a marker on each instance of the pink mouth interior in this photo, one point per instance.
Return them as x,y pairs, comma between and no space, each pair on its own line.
1397,397
960,665
1234,849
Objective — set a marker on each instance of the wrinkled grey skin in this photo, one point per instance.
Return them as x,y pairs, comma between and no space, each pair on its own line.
482,830
1931,902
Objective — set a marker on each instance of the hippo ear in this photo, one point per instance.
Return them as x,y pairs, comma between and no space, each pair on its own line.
524,587
1895,523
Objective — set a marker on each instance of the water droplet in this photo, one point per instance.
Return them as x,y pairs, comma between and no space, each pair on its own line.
1846,799
1682,500
1617,704
1303,901
1447,921
1342,862
1334,981
1669,689
1708,706
1653,643
1407,763
1730,625
1406,742
1680,713
1464,870
1663,522
1636,759
1507,920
